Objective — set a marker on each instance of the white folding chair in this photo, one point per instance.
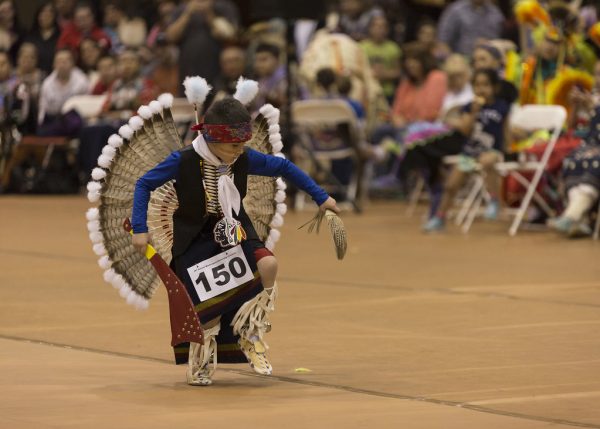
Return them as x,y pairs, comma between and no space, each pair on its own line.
531,118
311,113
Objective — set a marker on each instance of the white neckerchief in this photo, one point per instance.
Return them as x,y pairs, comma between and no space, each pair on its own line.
229,196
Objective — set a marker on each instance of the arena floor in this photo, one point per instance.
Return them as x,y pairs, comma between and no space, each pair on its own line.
410,331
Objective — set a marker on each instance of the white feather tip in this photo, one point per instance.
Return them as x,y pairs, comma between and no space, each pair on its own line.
196,89
155,107
92,214
115,141
145,112
246,90
98,174
136,123
126,132
166,100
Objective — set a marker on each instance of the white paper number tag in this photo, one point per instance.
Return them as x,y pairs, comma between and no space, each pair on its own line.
220,273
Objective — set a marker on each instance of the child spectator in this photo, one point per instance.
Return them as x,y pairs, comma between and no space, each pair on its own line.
44,35
483,121
383,54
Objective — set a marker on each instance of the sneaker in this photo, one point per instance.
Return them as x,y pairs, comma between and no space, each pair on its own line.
579,230
256,353
434,224
561,224
492,210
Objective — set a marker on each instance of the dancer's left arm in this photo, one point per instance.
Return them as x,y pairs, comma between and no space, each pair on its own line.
260,164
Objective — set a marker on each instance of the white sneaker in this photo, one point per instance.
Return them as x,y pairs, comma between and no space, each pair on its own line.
202,360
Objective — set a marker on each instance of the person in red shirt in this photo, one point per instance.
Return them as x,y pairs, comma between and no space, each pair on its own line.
83,26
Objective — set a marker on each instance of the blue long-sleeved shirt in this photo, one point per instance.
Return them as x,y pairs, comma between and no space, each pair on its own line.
259,164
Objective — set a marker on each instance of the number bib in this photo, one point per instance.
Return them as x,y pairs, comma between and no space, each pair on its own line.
221,273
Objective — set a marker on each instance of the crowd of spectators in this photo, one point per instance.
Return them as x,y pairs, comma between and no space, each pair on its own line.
427,78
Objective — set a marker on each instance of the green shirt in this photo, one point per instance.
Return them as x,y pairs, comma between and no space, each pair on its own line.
388,53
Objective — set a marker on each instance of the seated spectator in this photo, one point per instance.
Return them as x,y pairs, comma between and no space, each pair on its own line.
8,84
464,22
355,17
427,35
89,54
198,27
44,35
11,34
488,56
482,123
83,26
581,173
123,31
64,82
107,75
271,75
420,95
65,9
165,10
383,54
233,66
163,69
344,86
29,85
132,89
460,91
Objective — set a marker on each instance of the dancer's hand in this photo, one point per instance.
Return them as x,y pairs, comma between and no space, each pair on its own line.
140,241
330,204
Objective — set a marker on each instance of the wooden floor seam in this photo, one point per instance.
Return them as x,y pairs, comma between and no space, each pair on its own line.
317,384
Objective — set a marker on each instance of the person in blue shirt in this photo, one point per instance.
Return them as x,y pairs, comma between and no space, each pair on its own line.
210,180
484,121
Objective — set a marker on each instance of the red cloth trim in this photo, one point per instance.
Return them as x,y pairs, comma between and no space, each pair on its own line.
233,133
263,252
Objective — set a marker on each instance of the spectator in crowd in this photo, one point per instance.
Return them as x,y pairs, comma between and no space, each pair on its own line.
355,17
233,66
198,28
165,11
420,95
44,35
344,86
383,54
163,69
11,34
64,82
540,68
65,9
460,91
89,54
30,79
464,22
488,56
482,123
83,26
427,35
132,89
107,75
8,84
271,77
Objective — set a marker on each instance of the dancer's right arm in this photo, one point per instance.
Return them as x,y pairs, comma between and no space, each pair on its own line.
158,176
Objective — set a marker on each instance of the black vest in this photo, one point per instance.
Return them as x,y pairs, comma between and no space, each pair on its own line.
191,216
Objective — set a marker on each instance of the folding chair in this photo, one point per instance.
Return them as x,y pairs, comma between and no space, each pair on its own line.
530,118
311,113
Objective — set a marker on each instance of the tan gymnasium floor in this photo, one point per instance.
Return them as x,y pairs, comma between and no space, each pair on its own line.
410,331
